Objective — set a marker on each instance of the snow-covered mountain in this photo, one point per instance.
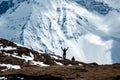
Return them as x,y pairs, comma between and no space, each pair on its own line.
90,28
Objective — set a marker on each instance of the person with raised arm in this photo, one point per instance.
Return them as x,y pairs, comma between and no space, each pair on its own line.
64,52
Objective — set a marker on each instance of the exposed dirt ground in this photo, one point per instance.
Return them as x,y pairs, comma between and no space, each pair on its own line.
88,72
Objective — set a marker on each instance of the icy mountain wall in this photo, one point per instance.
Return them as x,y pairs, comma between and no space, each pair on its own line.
89,28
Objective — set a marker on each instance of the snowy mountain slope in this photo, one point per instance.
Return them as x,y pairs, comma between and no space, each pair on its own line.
114,4
89,28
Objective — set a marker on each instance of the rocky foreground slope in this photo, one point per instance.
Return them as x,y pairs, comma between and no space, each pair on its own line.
21,63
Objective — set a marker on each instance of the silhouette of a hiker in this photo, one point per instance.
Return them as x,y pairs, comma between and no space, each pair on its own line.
64,52
73,58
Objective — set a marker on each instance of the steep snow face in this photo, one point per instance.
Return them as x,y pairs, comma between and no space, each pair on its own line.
89,28
13,21
112,3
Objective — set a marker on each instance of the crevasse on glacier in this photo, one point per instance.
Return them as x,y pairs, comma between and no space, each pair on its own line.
86,27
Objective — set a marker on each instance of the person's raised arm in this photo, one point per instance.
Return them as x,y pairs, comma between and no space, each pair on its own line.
67,48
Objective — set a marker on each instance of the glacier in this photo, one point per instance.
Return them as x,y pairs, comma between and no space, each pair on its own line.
90,28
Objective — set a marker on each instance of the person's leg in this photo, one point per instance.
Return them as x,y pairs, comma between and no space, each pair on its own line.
64,57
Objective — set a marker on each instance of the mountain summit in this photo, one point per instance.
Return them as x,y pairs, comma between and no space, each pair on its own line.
90,28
